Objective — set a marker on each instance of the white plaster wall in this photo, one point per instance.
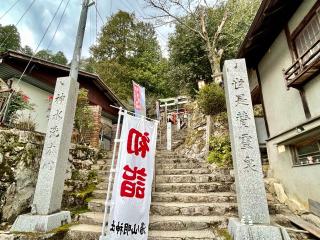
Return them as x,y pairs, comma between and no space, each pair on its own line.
312,91
283,107
300,183
253,80
284,110
39,98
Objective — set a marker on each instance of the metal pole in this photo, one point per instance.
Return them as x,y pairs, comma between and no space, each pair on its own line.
112,170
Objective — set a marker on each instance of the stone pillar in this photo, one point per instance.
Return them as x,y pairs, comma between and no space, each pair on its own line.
251,194
45,214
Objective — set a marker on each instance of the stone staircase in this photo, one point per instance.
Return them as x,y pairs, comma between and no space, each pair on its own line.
190,199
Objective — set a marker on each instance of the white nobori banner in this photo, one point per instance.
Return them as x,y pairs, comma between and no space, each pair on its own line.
131,195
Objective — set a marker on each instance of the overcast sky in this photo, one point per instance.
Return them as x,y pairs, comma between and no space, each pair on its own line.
35,22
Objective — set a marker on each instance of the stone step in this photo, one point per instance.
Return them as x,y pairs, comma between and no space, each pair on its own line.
166,223
96,205
177,208
185,187
181,235
105,173
183,223
194,197
162,166
92,232
176,160
92,218
192,209
181,197
182,171
194,178
84,231
193,187
182,165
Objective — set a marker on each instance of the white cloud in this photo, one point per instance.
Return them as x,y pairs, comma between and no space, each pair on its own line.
37,19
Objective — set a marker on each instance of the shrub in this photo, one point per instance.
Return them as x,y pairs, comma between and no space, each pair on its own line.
18,102
27,124
220,151
211,99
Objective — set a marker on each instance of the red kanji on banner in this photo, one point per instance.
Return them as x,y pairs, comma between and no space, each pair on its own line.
138,142
133,182
137,97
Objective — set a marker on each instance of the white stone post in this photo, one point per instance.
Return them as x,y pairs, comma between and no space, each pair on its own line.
169,135
208,133
251,194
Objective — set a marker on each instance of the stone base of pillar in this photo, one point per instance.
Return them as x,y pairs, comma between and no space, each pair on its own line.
240,231
40,223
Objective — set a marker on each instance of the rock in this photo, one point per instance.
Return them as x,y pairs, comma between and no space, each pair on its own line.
281,195
7,237
19,194
295,206
269,183
1,158
315,220
18,149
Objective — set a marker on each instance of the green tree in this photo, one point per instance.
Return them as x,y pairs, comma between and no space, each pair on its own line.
9,38
127,50
27,50
60,58
48,55
219,27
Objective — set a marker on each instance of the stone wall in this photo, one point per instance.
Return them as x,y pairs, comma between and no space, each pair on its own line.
92,136
20,155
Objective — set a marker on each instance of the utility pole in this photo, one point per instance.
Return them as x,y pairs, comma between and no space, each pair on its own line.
46,211
79,40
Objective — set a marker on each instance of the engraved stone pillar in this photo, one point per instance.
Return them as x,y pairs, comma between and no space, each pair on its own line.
251,195
45,214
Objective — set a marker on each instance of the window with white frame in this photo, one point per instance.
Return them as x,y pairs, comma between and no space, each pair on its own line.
307,153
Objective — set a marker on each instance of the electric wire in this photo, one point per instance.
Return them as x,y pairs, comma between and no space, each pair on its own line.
9,9
58,26
97,10
25,12
41,40
24,71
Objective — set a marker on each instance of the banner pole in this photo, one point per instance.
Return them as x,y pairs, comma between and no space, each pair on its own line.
116,141
136,115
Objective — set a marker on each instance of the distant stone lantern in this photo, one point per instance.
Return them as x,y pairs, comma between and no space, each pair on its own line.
201,83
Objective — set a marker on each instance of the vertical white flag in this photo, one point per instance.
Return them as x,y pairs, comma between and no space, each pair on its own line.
131,196
139,99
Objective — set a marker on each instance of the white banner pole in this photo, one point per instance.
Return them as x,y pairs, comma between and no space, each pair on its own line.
112,170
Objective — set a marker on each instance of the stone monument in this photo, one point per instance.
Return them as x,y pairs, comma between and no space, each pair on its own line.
46,211
254,219
45,214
